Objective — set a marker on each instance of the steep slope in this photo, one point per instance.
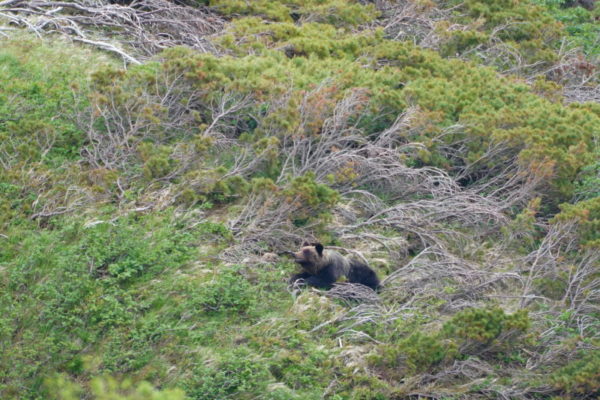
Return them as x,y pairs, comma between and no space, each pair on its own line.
144,208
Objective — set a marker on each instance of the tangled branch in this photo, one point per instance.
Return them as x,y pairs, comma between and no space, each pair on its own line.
143,26
559,259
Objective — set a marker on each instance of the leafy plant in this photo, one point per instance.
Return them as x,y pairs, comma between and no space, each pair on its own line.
579,377
236,372
230,292
417,353
107,388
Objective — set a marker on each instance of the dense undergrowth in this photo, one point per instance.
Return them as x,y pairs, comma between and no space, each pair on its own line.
454,145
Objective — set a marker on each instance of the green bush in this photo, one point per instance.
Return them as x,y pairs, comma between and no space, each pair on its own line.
484,325
300,369
587,214
579,377
40,139
472,331
39,101
307,40
488,331
118,250
520,24
106,388
15,201
157,160
548,138
417,353
335,12
312,200
229,292
579,23
236,373
69,288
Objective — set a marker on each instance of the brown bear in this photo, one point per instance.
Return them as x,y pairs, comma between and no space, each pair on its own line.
322,268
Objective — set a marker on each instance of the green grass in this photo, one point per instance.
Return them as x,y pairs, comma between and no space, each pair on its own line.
131,294
41,90
581,24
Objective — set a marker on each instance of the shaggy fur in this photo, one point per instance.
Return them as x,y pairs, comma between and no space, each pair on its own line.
322,268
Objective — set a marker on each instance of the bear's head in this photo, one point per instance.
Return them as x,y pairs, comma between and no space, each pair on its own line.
310,257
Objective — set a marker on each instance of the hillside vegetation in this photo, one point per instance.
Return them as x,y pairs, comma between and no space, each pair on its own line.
158,157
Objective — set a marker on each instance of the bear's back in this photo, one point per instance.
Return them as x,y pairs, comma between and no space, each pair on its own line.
336,261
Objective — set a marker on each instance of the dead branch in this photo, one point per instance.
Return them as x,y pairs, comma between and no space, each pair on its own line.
412,20
544,262
574,271
143,27
265,220
352,293
434,268
167,110
53,199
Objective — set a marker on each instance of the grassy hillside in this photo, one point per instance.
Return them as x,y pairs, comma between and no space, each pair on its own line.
154,169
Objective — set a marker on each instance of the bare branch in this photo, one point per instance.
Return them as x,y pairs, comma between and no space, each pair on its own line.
143,26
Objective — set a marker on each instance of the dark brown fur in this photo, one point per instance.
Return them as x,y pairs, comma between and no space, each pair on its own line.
322,268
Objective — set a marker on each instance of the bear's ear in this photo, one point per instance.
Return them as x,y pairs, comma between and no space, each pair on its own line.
319,248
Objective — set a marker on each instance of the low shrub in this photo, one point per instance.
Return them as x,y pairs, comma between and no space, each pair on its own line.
228,292
237,372
107,388
580,377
